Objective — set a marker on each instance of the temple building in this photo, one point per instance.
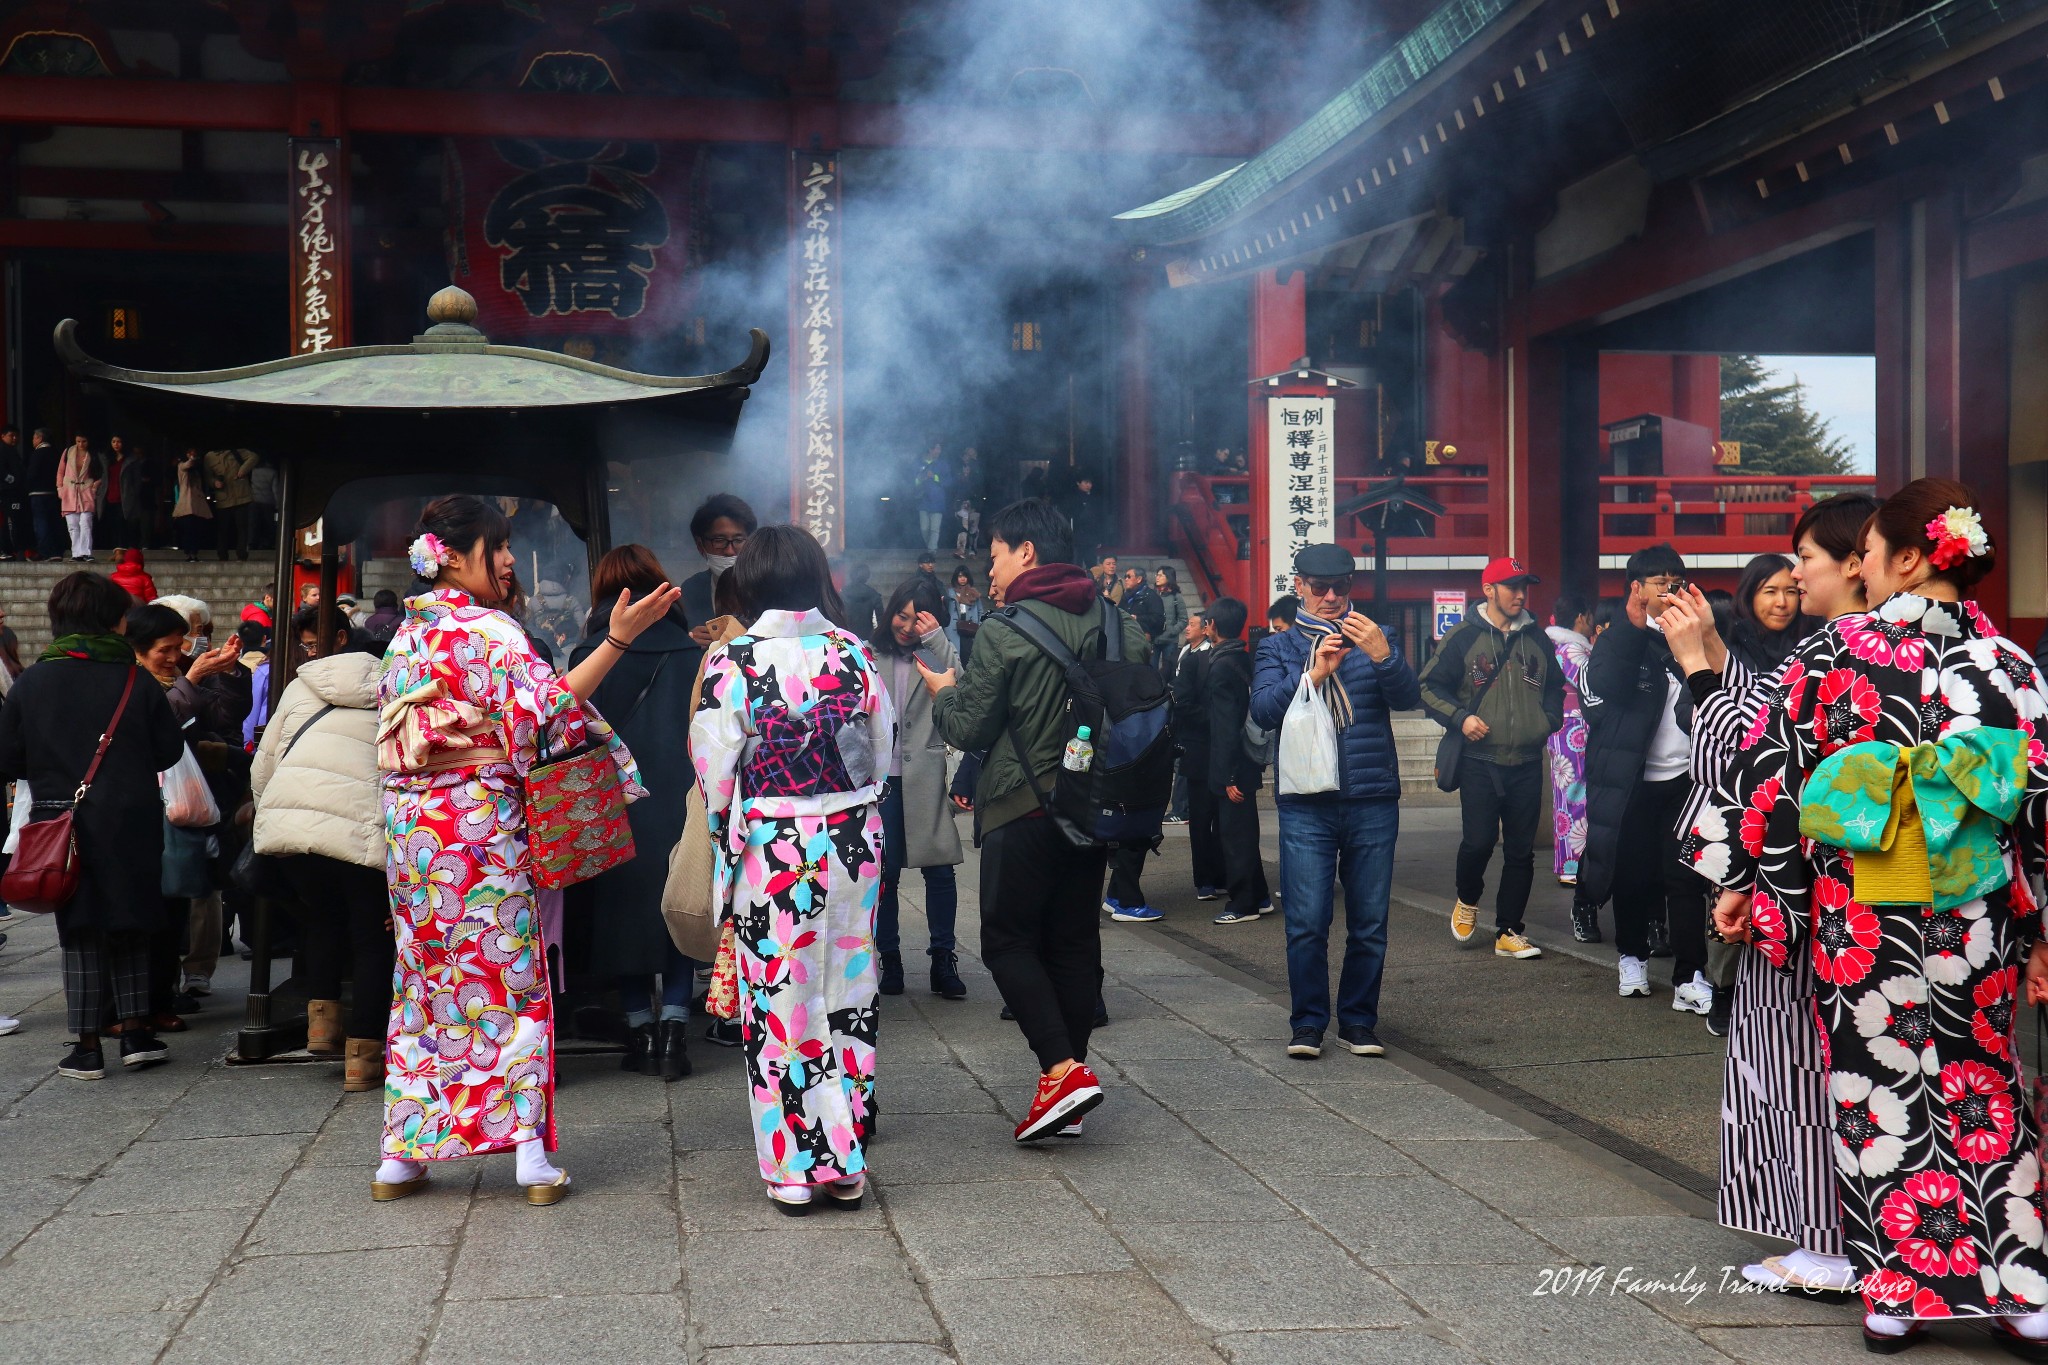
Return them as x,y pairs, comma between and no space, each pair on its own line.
1501,262
1505,259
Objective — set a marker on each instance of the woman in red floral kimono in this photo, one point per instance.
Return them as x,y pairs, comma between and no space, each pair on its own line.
1888,821
465,708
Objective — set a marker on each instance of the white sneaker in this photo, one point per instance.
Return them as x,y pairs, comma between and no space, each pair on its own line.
1635,976
1695,996
8,1024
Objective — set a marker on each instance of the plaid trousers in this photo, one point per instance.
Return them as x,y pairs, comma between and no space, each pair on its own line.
97,963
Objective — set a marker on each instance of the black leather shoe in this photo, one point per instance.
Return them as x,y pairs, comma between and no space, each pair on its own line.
1660,938
946,976
723,1032
675,1049
892,974
83,1064
1717,1013
640,1051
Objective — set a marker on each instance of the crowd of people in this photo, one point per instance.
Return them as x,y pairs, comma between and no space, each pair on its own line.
80,503
1841,764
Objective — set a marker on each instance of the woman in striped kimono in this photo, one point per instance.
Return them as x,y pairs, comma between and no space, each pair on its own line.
1777,1159
1886,822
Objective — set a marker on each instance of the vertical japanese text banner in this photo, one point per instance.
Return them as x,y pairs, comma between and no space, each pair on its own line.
319,243
1302,489
818,359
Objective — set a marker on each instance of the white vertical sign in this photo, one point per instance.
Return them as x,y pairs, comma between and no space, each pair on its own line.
1301,488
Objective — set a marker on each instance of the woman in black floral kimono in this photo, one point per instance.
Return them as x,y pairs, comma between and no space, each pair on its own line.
1919,954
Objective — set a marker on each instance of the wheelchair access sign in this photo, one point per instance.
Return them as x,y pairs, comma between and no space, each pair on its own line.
1446,614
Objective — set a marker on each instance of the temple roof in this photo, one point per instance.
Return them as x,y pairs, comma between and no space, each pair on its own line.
450,367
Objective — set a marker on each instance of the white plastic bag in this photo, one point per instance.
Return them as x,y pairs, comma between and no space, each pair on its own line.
18,817
1308,743
188,801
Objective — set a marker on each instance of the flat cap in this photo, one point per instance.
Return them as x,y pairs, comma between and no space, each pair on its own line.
1323,561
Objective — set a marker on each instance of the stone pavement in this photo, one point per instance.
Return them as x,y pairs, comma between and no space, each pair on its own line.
1226,1204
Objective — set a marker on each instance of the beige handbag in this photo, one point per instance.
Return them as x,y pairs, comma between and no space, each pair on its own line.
689,904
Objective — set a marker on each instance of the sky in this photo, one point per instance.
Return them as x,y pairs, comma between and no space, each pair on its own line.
1842,389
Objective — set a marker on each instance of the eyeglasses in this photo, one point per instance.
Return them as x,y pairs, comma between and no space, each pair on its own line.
1665,584
1340,586
725,545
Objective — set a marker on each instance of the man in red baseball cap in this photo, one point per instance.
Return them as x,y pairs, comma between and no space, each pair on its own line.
1495,680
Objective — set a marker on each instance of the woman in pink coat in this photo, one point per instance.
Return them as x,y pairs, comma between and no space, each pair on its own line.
78,495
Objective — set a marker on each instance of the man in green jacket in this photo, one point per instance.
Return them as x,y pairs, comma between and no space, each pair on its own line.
1040,932
1495,679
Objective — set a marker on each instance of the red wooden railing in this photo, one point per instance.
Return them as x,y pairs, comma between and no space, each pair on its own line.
1713,514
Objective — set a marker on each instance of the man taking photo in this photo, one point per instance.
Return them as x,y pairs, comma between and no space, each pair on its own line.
1495,680
1040,934
1347,833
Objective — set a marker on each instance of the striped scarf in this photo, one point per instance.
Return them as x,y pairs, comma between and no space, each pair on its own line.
1334,695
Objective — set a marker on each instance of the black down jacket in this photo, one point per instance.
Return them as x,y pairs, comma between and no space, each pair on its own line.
1623,698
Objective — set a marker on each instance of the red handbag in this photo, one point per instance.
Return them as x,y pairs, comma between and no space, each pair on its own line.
576,816
44,872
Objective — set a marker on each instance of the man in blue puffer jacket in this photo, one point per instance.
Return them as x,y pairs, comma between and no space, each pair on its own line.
1349,833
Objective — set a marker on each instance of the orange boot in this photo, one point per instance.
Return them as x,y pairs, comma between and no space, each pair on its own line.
365,1068
323,1028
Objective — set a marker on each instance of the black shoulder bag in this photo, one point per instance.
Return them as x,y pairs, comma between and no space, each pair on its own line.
1450,750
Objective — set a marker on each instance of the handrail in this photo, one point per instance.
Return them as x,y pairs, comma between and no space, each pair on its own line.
1200,551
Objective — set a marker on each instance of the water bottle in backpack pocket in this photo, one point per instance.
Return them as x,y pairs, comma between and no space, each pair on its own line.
1116,721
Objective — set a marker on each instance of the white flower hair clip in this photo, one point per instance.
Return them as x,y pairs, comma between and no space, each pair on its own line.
1958,534
427,555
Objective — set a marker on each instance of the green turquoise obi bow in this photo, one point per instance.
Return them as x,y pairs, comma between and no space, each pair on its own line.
1922,822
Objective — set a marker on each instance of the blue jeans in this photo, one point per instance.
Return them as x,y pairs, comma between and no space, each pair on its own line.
636,994
941,890
1322,843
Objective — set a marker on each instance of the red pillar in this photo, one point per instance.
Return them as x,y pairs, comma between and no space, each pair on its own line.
1279,334
1138,511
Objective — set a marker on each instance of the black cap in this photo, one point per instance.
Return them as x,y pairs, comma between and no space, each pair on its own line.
1323,561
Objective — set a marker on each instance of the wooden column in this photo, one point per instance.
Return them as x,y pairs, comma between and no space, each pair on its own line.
817,351
1919,255
1279,337
1140,525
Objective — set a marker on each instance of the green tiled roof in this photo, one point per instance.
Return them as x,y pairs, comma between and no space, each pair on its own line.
1201,209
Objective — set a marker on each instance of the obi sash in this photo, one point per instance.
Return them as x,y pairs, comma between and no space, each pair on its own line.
426,730
1923,822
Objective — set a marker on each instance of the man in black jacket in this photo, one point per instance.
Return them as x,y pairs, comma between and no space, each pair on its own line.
42,497
1233,776
1142,604
1190,724
17,535
1638,765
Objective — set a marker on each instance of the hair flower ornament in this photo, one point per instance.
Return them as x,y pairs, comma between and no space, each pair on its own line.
427,554
1958,534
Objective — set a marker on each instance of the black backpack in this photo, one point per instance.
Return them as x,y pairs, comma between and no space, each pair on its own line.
1125,704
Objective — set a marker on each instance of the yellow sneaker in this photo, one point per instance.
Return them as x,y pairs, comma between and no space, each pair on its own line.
1464,920
1512,944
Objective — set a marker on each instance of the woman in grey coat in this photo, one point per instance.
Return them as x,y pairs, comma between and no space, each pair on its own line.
917,816
1166,581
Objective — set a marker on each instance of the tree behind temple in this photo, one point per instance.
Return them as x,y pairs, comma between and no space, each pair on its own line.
1779,433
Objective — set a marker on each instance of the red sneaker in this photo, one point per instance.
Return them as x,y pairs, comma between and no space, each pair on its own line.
1060,1102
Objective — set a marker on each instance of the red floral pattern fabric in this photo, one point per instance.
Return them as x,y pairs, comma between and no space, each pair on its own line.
470,1061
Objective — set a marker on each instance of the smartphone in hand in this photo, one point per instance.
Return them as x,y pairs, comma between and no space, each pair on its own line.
929,660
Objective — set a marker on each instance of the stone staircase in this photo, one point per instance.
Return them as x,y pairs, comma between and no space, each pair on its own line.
225,587
1415,740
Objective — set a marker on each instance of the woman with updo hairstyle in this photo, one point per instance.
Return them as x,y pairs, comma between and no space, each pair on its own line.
466,709
1885,824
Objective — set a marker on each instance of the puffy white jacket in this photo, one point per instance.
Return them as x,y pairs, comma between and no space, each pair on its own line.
324,797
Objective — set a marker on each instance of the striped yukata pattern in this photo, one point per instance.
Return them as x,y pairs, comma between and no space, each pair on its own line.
1777,1129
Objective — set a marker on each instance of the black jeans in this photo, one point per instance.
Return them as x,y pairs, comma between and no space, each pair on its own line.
1126,874
1503,802
48,514
341,912
1041,933
231,525
167,952
1649,880
1237,827
1203,835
